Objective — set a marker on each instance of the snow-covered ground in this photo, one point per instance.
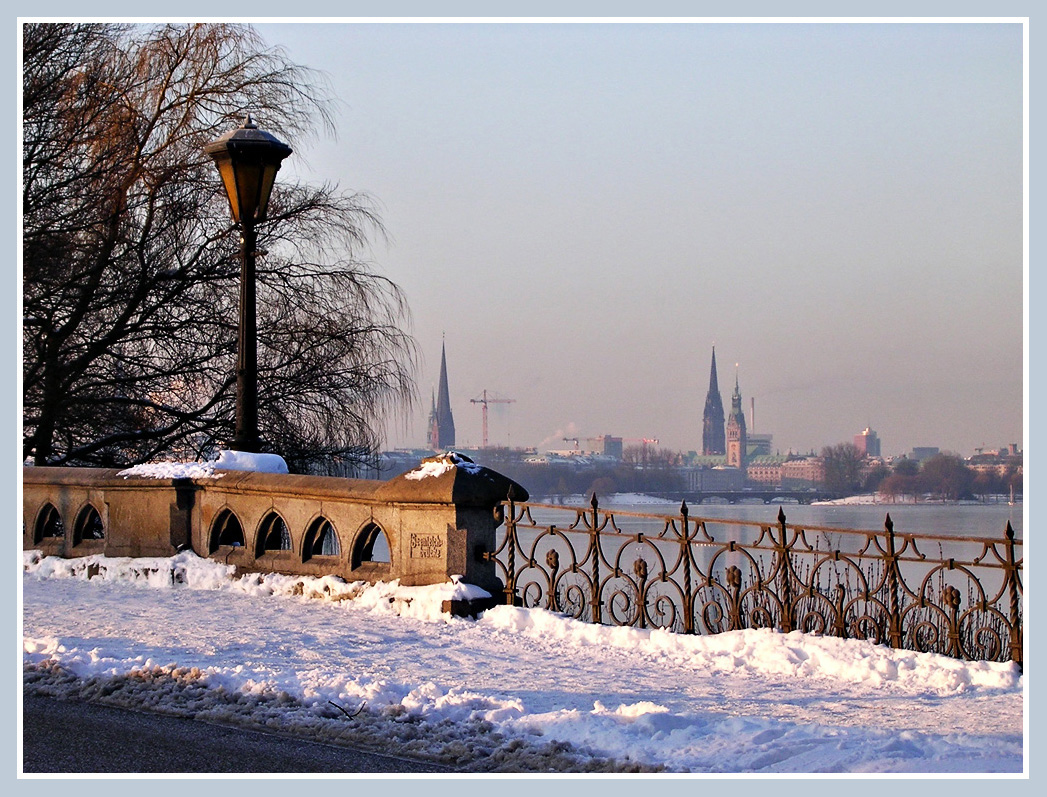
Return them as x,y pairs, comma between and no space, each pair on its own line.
516,690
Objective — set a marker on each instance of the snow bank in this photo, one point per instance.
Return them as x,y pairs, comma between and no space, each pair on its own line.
851,500
768,652
517,690
191,571
751,651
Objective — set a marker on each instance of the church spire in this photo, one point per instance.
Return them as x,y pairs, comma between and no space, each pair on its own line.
713,439
441,429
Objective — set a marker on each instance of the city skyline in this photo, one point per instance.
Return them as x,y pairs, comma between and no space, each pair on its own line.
593,442
584,210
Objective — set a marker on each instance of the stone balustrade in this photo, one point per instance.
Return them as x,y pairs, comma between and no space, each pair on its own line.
420,527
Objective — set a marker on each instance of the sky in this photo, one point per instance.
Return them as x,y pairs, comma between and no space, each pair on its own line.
235,650
580,212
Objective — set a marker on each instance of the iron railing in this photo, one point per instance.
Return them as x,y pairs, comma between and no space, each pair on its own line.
960,596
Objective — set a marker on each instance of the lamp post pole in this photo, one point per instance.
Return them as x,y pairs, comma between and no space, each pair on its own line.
248,160
246,436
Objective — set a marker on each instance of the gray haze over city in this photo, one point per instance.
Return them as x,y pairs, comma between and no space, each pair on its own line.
581,211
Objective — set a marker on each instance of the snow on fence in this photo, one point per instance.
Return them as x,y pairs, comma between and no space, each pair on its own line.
959,596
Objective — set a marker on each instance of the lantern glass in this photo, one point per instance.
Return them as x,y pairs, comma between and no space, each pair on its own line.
225,170
248,176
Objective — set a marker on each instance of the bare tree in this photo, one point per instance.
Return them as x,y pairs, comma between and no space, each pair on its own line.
130,260
946,477
843,468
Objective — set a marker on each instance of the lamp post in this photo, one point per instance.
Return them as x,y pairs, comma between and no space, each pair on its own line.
247,159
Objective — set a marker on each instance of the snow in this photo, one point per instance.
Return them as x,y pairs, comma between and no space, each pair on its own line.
172,470
516,690
851,500
243,460
227,460
438,466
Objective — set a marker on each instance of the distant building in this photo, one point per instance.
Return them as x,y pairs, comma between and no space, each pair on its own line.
1003,461
765,470
867,442
607,446
737,443
441,422
713,441
802,473
709,479
924,452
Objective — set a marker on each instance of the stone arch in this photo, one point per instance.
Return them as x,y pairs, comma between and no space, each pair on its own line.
371,546
274,536
49,524
226,531
88,526
321,540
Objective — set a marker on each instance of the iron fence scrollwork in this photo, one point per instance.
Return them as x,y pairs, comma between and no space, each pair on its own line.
672,572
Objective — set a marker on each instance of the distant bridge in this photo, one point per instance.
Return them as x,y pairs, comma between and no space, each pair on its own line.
737,496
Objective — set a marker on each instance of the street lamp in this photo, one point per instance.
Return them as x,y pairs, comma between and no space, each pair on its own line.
248,160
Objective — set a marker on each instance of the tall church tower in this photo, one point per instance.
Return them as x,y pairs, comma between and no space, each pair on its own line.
737,440
441,423
712,420
434,427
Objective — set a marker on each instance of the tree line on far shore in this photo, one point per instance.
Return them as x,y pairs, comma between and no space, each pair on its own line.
944,476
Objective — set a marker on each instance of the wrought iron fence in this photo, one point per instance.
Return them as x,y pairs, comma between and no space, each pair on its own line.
960,596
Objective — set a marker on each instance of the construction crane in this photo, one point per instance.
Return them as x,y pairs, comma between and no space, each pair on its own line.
484,400
645,440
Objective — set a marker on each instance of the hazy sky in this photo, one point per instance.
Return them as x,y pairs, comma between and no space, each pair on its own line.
584,210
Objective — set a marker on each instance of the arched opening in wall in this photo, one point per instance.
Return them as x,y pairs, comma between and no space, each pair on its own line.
88,526
49,524
226,530
371,546
273,535
321,540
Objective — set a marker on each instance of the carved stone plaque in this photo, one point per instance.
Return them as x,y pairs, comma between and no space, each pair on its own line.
427,546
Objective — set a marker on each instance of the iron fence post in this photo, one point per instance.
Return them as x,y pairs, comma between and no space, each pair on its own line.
1012,588
594,548
510,530
894,620
688,593
786,589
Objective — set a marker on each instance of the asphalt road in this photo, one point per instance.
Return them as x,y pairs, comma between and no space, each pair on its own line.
61,736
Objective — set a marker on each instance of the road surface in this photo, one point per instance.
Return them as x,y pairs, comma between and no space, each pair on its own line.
61,736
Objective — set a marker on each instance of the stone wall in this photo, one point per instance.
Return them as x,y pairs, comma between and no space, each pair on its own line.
420,527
